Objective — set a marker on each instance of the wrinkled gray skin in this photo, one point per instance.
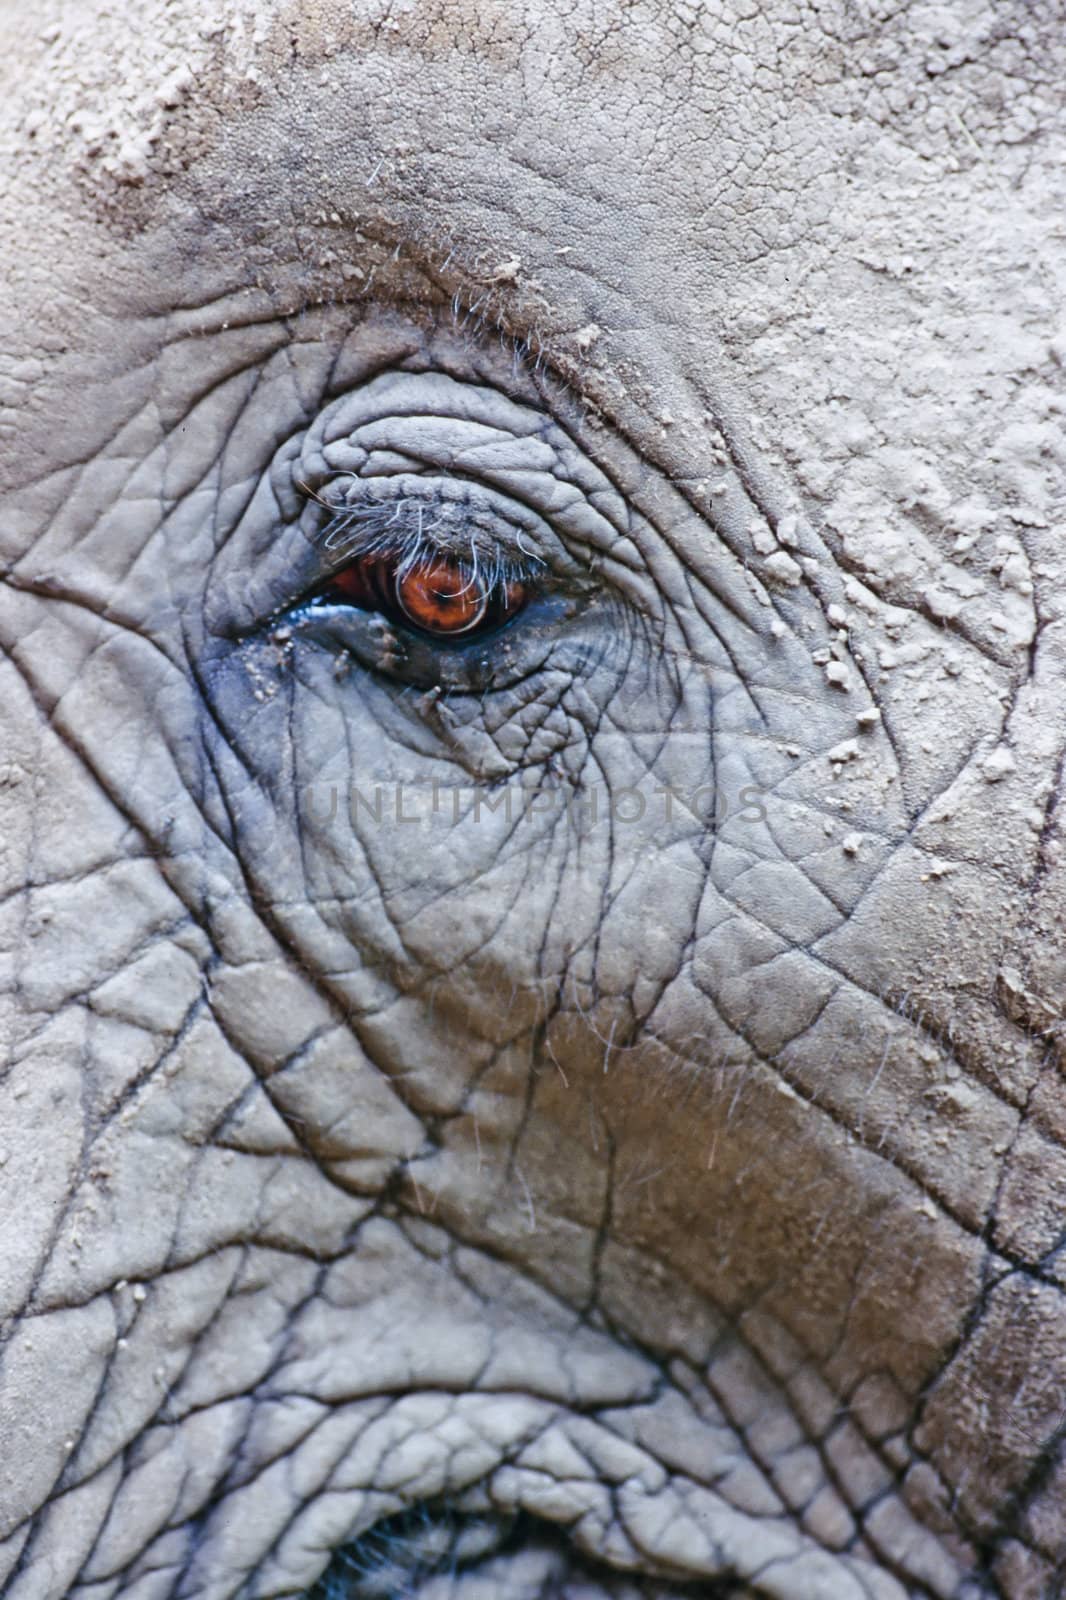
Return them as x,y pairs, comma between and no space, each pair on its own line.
688,1185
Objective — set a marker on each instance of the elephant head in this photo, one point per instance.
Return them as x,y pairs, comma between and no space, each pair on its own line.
532,725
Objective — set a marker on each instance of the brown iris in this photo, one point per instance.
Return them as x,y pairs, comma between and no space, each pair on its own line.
440,597
436,595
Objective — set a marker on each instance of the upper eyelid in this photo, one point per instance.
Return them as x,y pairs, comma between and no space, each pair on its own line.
472,434
572,518
428,518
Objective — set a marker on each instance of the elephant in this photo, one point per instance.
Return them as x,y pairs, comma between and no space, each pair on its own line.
533,712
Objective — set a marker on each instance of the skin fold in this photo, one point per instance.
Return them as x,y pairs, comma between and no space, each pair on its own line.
576,1109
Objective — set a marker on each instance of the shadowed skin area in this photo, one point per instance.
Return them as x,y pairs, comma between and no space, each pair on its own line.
531,735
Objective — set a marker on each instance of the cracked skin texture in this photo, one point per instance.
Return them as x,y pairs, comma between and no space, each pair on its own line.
691,1191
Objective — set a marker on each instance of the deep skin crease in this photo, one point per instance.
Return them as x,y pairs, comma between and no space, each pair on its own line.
576,1111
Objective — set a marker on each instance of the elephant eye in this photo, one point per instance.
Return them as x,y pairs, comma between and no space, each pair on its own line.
434,593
